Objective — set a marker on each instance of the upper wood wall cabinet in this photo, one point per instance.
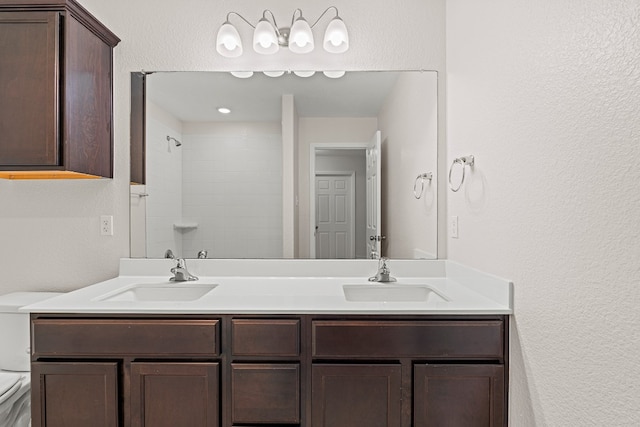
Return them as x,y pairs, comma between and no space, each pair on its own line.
56,95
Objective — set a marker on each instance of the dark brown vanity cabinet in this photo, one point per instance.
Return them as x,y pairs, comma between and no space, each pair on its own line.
427,372
265,374
153,372
469,395
55,91
75,394
305,370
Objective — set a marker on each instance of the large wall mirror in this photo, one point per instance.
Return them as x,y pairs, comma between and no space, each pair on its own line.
287,166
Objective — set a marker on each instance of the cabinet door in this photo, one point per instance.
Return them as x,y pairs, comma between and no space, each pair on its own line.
267,393
174,394
356,395
74,394
459,396
29,46
88,109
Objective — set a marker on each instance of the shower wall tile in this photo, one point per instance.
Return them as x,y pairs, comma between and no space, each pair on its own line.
232,186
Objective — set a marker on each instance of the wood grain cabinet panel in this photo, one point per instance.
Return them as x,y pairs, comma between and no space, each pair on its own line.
265,337
265,393
175,394
459,396
347,395
74,394
29,88
478,340
125,337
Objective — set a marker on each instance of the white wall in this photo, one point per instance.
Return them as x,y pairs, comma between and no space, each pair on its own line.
55,225
289,173
408,121
546,95
164,182
232,187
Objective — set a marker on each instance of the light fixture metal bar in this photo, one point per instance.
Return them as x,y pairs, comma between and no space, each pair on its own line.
324,13
241,17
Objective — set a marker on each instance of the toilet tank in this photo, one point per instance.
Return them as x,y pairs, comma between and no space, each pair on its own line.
14,329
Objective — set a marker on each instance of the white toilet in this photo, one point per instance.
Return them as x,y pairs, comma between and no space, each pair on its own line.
15,384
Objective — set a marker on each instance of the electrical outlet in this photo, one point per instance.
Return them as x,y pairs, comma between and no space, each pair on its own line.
106,225
454,227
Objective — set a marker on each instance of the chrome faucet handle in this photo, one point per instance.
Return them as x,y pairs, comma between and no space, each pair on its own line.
384,273
382,264
202,254
181,274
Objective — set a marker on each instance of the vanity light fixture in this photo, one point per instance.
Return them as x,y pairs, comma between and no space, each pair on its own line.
268,37
224,110
242,74
304,73
334,74
273,73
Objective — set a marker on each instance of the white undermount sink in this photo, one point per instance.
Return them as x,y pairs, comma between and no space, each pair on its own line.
383,292
154,292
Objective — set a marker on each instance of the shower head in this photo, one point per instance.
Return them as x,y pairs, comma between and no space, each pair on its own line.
178,143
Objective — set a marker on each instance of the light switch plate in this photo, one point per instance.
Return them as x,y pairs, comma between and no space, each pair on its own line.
454,227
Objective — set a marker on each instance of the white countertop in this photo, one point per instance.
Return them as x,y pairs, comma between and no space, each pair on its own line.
292,286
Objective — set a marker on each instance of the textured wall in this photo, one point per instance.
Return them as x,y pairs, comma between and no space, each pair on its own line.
546,95
409,124
49,231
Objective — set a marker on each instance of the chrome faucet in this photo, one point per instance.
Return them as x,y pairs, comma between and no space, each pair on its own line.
180,272
383,274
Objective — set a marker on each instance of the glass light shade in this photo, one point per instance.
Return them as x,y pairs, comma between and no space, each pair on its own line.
228,43
334,74
304,73
301,37
336,38
265,40
273,73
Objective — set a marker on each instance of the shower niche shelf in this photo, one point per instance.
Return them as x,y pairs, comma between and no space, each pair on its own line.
185,226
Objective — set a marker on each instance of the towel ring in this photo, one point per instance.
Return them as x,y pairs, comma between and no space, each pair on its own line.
428,176
463,161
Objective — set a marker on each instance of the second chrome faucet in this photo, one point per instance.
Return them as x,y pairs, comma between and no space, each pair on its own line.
383,275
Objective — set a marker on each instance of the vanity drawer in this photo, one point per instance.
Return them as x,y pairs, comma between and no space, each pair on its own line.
125,337
265,337
434,339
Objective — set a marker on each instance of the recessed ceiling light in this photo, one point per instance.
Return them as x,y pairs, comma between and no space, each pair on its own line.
224,110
